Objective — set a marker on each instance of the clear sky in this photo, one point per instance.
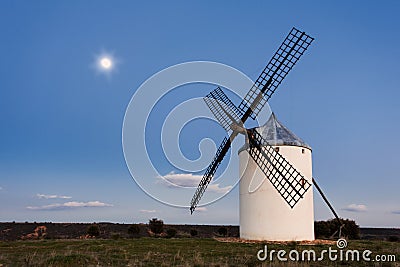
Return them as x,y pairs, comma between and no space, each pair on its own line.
61,156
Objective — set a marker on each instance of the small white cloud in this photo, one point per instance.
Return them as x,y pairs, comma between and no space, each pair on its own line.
52,196
148,211
190,180
355,208
70,205
201,209
217,189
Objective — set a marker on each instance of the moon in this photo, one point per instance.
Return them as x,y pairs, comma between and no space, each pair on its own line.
106,63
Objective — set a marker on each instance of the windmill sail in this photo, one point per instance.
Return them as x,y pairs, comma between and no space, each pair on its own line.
209,174
223,109
289,183
287,55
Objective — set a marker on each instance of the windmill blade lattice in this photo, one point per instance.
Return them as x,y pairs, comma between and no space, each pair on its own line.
289,183
290,51
223,109
210,171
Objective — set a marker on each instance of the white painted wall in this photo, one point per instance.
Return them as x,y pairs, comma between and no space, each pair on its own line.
264,214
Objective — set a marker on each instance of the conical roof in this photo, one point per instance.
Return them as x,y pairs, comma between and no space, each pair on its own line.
276,134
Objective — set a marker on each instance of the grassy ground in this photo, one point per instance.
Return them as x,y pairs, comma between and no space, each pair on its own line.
167,252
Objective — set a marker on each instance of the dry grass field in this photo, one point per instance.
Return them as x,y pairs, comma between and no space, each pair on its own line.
171,252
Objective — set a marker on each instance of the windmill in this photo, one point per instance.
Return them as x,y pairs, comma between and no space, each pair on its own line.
288,182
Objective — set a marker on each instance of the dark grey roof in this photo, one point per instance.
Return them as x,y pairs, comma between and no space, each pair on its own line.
277,134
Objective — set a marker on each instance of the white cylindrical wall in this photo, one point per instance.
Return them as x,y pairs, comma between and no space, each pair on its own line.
264,214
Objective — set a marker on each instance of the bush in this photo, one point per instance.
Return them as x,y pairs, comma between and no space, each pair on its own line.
133,230
171,232
325,229
351,230
223,231
322,229
93,230
193,232
393,238
156,226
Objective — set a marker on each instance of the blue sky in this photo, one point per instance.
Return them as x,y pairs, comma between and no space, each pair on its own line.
61,120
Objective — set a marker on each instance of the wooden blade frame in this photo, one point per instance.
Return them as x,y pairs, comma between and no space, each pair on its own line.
209,174
289,183
287,55
223,109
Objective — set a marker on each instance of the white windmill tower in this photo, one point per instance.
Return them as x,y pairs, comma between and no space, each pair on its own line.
263,214
275,200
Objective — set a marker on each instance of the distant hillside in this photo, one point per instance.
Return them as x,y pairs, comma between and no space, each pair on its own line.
46,230
379,233
16,231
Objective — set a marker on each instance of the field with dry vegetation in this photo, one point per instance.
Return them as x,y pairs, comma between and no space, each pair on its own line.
169,252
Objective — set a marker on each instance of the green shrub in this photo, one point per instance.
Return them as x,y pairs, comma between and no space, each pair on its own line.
93,230
325,229
223,231
156,225
351,230
193,232
171,232
322,229
133,230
